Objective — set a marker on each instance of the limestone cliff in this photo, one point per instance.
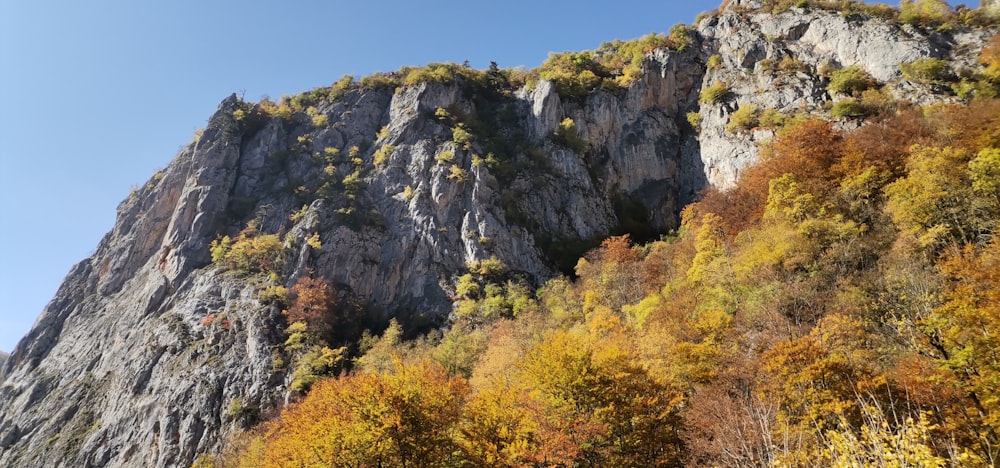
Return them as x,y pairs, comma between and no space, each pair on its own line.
131,363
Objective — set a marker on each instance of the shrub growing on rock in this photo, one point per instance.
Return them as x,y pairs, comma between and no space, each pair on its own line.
568,135
849,108
926,70
715,94
694,118
382,154
744,119
250,252
850,81
924,12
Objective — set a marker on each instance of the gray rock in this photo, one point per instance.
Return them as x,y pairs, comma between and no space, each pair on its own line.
148,354
744,39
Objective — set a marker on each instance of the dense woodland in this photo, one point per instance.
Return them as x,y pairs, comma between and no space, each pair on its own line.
838,307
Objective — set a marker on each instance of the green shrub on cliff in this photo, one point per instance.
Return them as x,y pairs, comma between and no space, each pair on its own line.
850,81
249,253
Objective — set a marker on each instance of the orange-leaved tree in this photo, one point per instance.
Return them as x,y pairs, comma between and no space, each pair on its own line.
407,417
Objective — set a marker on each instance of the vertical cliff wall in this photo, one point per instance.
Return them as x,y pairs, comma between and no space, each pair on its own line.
149,354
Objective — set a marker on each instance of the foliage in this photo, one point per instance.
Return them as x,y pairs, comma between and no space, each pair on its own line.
340,87
458,174
849,108
842,6
926,70
489,292
353,183
575,74
791,64
316,364
249,253
494,78
990,58
985,84
837,307
274,294
320,120
771,118
680,37
694,119
614,411
743,119
445,157
380,81
880,441
935,203
314,241
965,327
613,65
715,94
626,54
378,354
311,303
402,418
382,154
850,81
461,137
567,135
713,62
924,12
878,102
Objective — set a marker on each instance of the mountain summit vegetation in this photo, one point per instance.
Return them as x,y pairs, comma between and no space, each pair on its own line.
767,239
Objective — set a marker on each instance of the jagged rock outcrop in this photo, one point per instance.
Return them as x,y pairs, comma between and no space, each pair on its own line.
751,46
149,354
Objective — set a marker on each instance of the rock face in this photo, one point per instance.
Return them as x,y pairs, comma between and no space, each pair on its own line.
778,61
149,354
991,6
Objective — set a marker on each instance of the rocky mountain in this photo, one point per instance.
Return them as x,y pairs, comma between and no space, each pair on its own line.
150,352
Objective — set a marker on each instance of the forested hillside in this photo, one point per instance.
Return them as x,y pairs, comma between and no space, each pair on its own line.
839,306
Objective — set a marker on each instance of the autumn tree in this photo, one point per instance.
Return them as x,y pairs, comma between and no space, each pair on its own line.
489,292
936,204
459,349
808,149
614,412
499,428
406,417
817,379
965,330
380,353
251,252
612,274
312,303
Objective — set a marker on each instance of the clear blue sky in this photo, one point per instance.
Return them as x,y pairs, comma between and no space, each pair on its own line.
98,95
